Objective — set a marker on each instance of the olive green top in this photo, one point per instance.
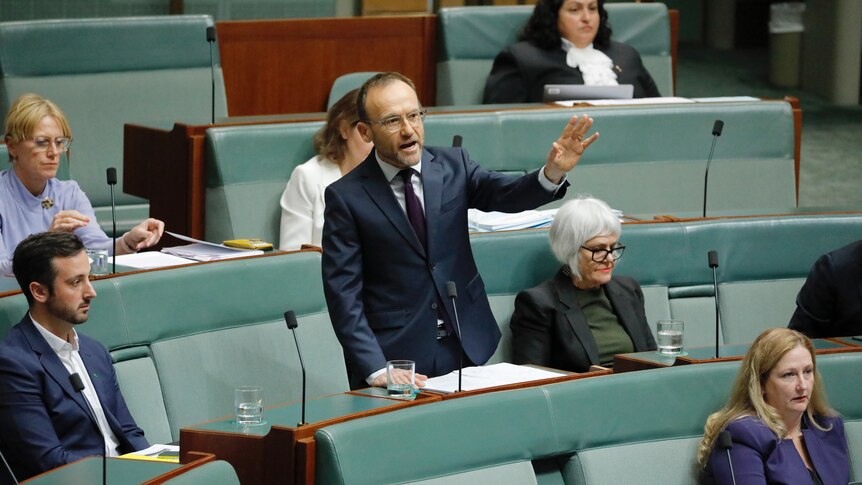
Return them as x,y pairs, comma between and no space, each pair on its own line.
611,337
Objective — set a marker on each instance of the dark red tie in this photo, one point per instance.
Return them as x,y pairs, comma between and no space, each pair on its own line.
414,208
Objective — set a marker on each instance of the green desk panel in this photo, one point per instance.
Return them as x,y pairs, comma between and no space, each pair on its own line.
119,472
317,410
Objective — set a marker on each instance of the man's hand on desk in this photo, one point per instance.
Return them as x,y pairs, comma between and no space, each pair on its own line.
418,379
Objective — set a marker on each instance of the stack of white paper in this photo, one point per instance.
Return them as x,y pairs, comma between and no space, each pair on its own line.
206,251
499,221
488,376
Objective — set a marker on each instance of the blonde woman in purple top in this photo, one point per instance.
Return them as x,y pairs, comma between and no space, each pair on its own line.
33,200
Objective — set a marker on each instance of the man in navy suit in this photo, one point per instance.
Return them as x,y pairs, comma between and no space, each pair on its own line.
395,233
44,421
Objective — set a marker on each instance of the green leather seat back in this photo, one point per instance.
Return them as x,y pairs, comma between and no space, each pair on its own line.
247,170
142,390
471,37
261,9
649,159
221,326
217,472
457,436
137,69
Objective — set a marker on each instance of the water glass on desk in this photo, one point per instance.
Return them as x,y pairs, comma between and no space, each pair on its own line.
248,401
400,379
670,336
98,261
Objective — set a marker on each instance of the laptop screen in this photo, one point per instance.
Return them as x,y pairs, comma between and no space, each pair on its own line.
568,92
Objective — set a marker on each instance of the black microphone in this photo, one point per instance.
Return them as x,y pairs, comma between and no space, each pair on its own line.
112,181
712,257
8,468
78,386
290,319
452,291
725,442
716,132
456,141
211,38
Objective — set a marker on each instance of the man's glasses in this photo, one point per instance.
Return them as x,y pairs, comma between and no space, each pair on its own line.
600,255
393,123
60,144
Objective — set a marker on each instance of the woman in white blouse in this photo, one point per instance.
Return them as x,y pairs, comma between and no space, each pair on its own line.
339,149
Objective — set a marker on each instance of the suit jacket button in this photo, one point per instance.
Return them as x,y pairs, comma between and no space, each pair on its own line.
433,266
433,306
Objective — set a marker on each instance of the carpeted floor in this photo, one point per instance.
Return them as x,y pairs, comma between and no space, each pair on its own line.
831,161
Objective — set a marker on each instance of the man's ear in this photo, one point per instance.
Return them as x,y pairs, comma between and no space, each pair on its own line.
39,291
365,132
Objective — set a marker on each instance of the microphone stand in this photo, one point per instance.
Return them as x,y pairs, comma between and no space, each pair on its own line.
290,319
211,37
713,263
453,294
716,132
112,180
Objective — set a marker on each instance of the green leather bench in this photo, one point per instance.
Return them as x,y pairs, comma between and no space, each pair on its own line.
587,432
763,262
469,38
182,339
649,159
107,72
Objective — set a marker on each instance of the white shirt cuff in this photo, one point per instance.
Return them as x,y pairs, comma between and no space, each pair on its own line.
547,184
374,375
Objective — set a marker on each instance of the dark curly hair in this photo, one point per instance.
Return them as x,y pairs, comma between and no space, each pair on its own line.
541,28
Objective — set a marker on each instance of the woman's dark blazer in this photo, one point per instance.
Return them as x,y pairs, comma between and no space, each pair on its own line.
550,329
522,70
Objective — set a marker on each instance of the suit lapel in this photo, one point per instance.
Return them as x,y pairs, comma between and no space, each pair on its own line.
51,363
575,316
432,188
378,189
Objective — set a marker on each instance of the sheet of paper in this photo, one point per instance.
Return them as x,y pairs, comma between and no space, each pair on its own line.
206,251
627,102
726,99
488,376
150,259
154,452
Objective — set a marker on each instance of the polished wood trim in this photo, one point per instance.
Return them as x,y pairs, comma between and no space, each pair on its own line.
289,65
797,138
673,20
569,376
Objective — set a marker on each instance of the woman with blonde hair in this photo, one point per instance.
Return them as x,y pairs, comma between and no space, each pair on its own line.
32,199
781,427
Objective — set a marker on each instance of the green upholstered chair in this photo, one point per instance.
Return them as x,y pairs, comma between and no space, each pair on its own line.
247,170
220,326
344,84
261,9
649,159
469,38
107,72
217,472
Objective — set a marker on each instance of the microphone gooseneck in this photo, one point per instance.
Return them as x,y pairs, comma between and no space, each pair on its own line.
112,181
712,259
452,291
9,469
725,442
211,38
717,127
78,386
290,320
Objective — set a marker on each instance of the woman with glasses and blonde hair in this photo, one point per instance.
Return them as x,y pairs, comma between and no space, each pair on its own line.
780,424
339,149
33,200
584,315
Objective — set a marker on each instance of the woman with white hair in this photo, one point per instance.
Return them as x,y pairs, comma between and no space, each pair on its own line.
584,315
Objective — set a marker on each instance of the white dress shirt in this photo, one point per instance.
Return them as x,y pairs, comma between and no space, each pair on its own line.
68,354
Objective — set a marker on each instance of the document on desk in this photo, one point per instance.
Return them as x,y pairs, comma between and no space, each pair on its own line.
150,260
488,376
206,251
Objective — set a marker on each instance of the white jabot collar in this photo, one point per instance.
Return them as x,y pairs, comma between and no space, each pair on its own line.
596,67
